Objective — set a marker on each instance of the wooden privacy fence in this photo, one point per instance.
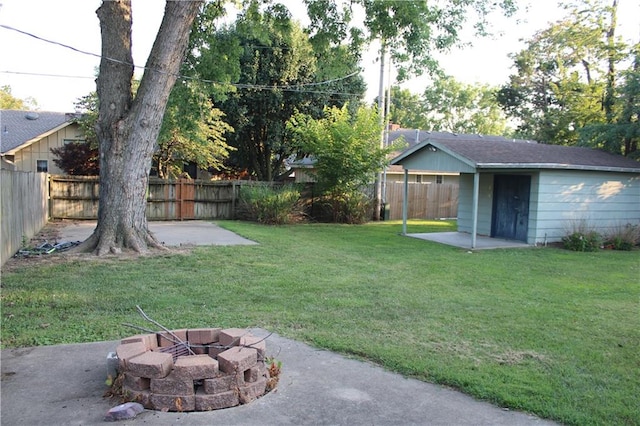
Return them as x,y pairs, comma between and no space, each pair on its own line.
23,208
76,197
426,200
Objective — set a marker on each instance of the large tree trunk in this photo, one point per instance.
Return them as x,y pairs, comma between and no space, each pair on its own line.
128,127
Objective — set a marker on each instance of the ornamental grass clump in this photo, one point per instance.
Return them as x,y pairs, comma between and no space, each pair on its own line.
623,237
274,205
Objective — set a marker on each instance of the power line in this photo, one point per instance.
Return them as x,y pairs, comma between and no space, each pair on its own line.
36,74
288,88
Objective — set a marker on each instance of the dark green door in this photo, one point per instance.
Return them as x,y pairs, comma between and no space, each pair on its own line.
510,207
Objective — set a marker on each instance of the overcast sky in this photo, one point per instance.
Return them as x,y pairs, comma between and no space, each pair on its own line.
25,59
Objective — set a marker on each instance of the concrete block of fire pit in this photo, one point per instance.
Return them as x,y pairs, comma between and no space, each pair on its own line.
135,382
257,343
208,402
166,340
219,384
127,351
196,367
252,391
256,372
237,359
150,340
203,336
173,402
215,350
154,365
125,411
232,336
172,385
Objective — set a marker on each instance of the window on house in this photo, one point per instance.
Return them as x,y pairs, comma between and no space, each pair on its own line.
439,178
42,166
418,178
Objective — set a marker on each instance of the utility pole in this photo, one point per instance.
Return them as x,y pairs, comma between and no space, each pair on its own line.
381,110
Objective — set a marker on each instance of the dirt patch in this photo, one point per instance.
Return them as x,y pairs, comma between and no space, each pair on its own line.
51,233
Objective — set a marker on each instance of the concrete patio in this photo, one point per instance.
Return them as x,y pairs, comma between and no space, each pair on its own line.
463,240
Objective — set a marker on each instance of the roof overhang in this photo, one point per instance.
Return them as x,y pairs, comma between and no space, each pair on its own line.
438,158
412,159
38,138
554,166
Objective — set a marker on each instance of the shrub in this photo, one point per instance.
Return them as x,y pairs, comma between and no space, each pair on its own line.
579,241
270,204
581,237
352,207
623,237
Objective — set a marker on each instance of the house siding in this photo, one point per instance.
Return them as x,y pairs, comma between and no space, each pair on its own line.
564,200
437,160
485,203
26,158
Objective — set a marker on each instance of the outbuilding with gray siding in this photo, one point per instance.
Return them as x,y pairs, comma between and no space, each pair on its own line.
528,191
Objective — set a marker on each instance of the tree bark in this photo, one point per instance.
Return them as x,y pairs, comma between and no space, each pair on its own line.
128,126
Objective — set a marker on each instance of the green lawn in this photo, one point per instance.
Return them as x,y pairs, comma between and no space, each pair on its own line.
544,330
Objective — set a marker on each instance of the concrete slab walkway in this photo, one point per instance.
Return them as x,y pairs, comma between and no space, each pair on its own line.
63,385
170,233
463,240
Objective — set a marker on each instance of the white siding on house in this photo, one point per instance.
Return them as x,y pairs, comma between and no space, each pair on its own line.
602,201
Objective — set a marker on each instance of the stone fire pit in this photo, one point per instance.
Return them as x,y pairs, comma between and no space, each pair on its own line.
212,369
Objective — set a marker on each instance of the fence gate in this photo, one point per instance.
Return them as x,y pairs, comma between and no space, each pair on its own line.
185,198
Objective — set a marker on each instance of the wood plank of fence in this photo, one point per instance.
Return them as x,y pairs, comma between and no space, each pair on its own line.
24,208
77,197
426,200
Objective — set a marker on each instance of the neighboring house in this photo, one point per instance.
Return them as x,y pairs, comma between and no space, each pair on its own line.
531,192
26,139
303,169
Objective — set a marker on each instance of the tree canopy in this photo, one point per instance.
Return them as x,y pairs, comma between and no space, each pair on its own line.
574,83
8,101
273,70
411,31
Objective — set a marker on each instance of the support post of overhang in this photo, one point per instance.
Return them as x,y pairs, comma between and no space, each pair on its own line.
474,209
405,201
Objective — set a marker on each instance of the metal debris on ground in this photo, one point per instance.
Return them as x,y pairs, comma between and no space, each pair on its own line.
46,248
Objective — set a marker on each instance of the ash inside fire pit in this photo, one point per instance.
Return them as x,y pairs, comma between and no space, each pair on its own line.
194,369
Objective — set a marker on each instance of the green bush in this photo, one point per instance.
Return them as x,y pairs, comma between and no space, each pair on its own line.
582,241
623,237
268,204
352,207
580,236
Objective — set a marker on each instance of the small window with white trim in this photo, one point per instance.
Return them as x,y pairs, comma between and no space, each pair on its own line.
418,178
439,178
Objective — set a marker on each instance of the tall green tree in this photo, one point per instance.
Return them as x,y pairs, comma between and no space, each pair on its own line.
457,107
410,31
275,70
621,135
193,131
407,109
567,80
